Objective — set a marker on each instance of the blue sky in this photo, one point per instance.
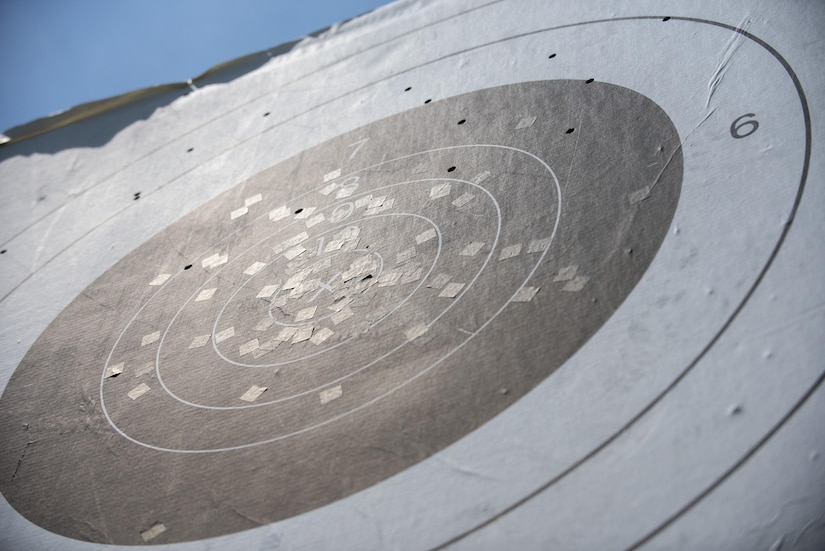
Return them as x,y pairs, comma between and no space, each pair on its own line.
59,53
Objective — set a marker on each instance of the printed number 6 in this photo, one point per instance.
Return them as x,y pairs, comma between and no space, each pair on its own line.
736,127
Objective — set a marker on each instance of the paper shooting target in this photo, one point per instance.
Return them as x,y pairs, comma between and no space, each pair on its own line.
497,281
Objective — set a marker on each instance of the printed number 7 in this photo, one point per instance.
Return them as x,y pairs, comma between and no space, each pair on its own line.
359,144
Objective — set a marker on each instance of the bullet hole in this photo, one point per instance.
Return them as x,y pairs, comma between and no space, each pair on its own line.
503,391
266,114
187,266
569,130
588,81
452,168
299,211
190,150
428,101
735,410
551,56
137,196
366,277
628,252
462,121
3,251
408,88
666,19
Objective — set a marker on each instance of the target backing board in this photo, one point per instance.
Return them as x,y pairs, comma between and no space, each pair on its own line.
466,275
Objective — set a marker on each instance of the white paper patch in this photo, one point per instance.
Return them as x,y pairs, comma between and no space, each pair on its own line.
480,177
332,175
153,532
388,279
199,341
416,331
249,201
248,347
148,367
386,204
525,294
463,199
150,338
538,245
340,304
363,201
331,394
326,190
286,334
576,284
160,279
264,324
279,214
302,334
315,220
237,213
305,314
138,391
472,249
510,252
214,260
206,294
526,122
294,252
440,190
225,334
345,191
322,335
267,291
451,290
254,268
253,393
439,281
425,236
566,274
114,370
341,316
